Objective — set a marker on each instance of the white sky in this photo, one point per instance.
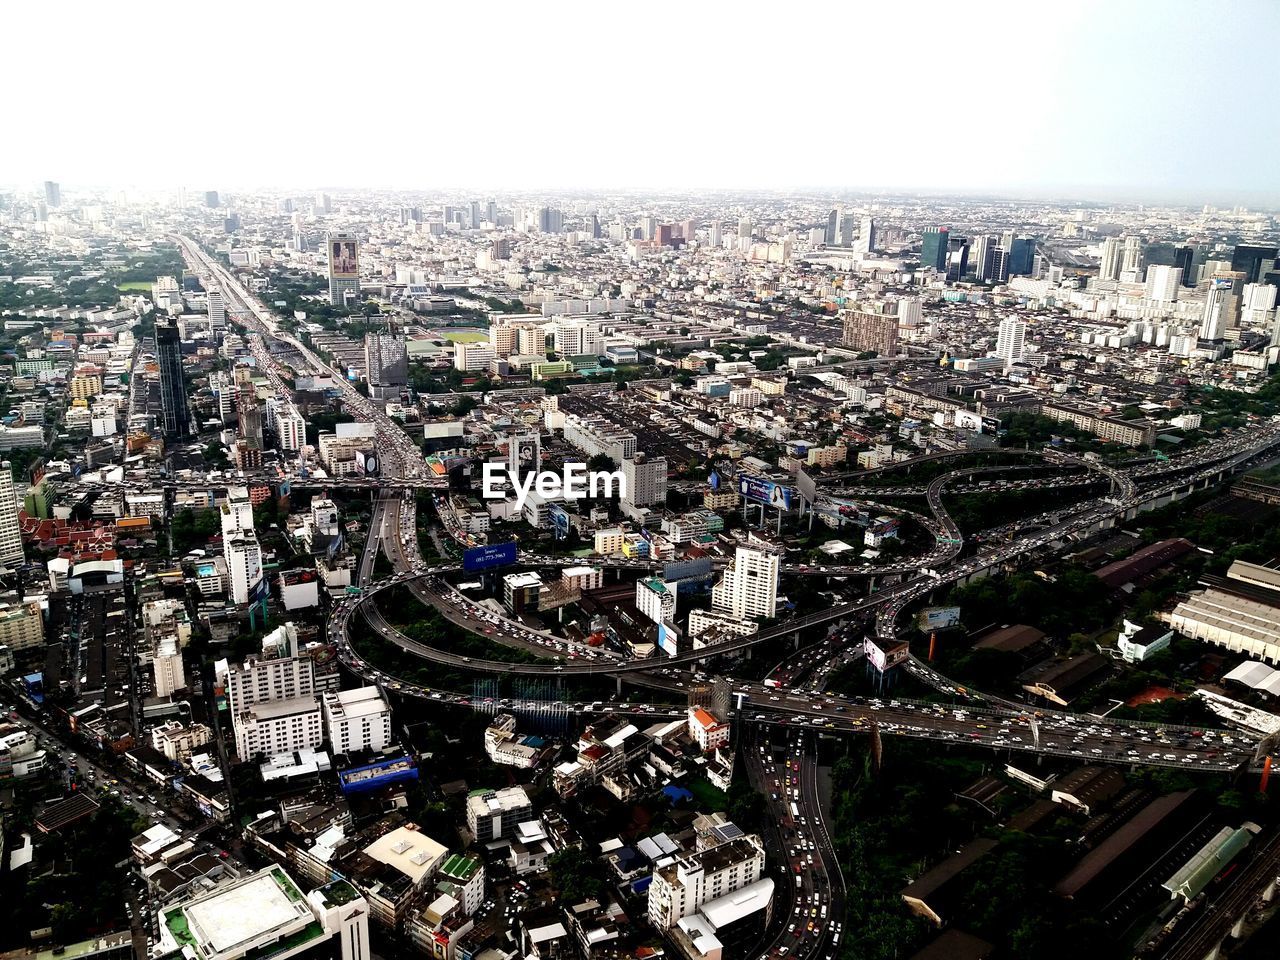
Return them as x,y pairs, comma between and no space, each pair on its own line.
1128,97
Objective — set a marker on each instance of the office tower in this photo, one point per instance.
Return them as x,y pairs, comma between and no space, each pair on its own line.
665,235
1163,282
745,228
1011,339
344,268
491,212
52,194
322,203
866,235
386,363
1246,259
957,258
648,228
872,327
217,310
211,198
832,234
10,533
646,481
715,233
593,227
166,665
473,210
935,248
983,245
1184,259
410,215
272,699
1022,257
1112,259
550,220
1213,324
749,586
501,248
1257,300
999,272
1132,258
173,390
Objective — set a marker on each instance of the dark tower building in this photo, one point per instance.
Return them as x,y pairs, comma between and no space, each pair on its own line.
173,391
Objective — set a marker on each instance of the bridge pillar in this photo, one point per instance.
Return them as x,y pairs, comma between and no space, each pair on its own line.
617,680
1237,929
1269,893
795,639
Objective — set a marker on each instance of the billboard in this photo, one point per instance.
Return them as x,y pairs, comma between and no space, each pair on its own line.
884,655
938,618
968,420
764,491
367,462
685,569
559,521
807,487
668,639
488,555
875,653
343,262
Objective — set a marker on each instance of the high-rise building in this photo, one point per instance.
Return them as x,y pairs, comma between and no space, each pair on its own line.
357,720
166,663
501,248
550,220
1132,256
344,268
872,327
715,233
745,228
322,203
217,310
1112,259
52,194
832,234
211,198
935,249
386,361
1184,259
983,245
173,390
1163,283
1011,339
680,888
749,585
1246,259
1022,257
1257,302
1213,323
497,813
291,428
866,235
10,532
646,481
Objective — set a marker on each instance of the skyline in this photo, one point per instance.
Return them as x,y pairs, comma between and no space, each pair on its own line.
1020,105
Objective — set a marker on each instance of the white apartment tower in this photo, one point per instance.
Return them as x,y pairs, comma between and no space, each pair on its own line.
10,533
1011,339
1163,283
749,586
357,720
1112,259
646,480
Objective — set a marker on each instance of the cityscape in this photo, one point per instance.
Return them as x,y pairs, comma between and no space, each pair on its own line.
622,540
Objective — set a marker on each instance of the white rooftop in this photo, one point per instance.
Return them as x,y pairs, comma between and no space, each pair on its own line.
411,852
741,903
243,911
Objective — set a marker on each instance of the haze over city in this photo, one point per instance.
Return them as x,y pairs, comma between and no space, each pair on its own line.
1093,100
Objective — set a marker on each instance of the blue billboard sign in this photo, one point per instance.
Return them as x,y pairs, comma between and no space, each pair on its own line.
559,518
489,555
764,491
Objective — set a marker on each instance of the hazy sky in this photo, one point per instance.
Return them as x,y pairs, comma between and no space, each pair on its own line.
1122,98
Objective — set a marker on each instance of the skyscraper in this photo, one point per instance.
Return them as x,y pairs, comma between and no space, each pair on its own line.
321,204
749,586
1184,259
866,235
173,390
832,234
386,363
1111,260
1214,322
344,267
10,534
1132,262
1245,258
211,198
934,249
217,310
1163,282
983,247
52,194
1022,257
1011,339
